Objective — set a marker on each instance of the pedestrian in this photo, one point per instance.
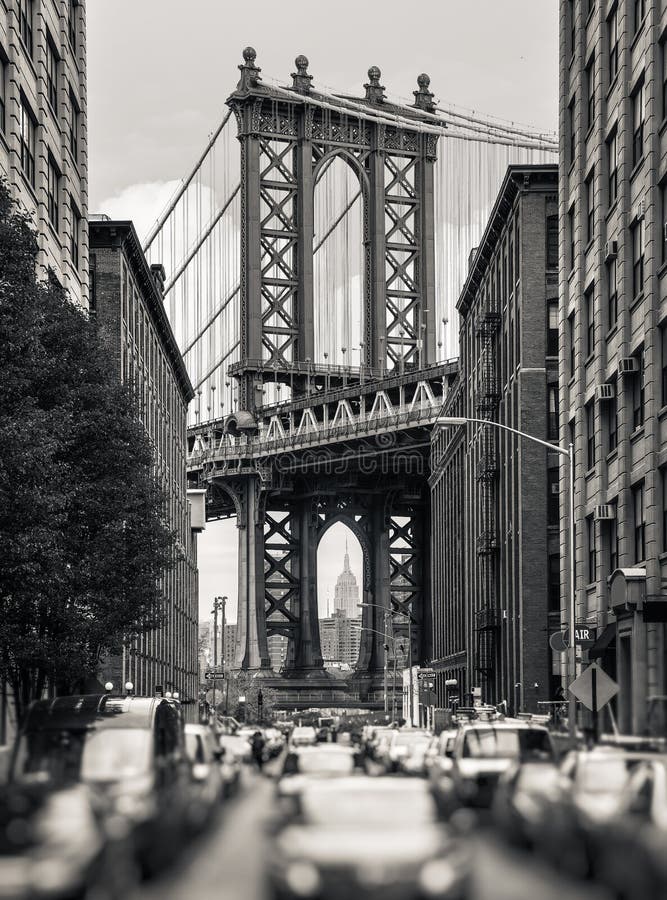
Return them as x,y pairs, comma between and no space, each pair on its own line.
257,745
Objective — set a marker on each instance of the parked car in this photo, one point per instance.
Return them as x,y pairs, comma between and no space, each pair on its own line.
130,753
207,787
483,751
366,837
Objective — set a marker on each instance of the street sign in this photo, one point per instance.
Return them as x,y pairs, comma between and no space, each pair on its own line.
594,688
558,642
584,637
214,676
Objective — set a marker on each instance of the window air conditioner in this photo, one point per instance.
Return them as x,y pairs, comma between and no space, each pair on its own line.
604,512
628,365
610,250
605,391
640,210
664,231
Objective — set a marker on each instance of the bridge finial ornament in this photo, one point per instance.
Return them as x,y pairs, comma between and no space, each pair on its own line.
424,97
301,79
374,90
249,71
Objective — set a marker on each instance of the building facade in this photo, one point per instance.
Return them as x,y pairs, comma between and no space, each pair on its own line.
43,133
126,297
613,336
346,591
340,639
494,501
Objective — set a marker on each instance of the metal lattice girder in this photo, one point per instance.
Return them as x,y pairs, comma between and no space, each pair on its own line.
281,582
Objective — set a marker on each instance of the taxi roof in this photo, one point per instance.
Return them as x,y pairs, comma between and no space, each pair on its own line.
86,711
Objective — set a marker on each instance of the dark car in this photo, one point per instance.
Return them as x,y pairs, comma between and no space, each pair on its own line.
366,837
207,786
130,753
632,858
595,782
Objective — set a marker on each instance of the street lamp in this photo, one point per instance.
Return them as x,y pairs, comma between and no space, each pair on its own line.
218,603
569,453
411,621
386,637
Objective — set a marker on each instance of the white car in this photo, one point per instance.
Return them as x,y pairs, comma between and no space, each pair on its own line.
303,736
404,744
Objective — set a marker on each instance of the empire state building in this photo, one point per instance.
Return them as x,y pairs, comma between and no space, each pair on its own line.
346,592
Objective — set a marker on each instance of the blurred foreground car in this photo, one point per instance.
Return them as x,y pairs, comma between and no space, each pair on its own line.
579,821
632,859
207,788
274,742
236,746
523,802
379,741
438,759
483,751
130,753
53,846
366,837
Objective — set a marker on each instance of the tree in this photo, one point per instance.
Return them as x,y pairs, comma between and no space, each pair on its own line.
248,685
83,543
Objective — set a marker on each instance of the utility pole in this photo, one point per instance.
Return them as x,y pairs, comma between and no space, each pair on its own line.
218,602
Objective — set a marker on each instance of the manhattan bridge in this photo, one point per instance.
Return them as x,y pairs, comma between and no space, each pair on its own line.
314,256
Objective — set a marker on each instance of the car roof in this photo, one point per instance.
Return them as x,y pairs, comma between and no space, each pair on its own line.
192,728
85,711
504,726
371,783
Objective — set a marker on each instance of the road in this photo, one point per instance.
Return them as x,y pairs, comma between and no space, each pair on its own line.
226,864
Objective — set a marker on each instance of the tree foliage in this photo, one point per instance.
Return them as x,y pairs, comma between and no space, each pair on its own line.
83,542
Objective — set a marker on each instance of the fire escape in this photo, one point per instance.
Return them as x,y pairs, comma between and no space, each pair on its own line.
487,619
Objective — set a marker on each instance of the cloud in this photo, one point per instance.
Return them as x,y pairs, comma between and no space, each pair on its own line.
142,203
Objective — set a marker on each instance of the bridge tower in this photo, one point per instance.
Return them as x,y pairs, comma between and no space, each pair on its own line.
351,444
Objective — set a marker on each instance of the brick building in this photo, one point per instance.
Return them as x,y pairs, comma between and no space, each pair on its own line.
126,296
494,504
43,133
613,335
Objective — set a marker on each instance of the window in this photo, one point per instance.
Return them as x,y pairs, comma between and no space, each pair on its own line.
663,361
639,523
589,308
570,338
25,23
590,208
638,395
71,23
552,412
662,236
612,294
612,31
589,411
517,254
639,13
552,242
638,113
3,90
663,78
552,497
553,582
27,142
590,93
571,111
637,258
52,73
570,226
552,328
611,407
573,29
73,126
612,163
592,572
611,534
663,478
53,190
75,235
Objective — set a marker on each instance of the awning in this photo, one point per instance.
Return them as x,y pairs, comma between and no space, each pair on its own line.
603,642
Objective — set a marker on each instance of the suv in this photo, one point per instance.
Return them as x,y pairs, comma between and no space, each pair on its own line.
130,753
483,751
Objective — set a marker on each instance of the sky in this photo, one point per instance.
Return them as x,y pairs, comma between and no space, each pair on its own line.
159,72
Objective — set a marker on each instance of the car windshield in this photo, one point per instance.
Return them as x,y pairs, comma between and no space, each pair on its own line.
603,776
499,743
408,739
367,808
63,757
323,762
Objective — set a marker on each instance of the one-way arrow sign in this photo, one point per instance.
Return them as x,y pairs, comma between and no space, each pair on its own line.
214,676
594,688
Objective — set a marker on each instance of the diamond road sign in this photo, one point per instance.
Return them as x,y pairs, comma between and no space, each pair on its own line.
594,687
